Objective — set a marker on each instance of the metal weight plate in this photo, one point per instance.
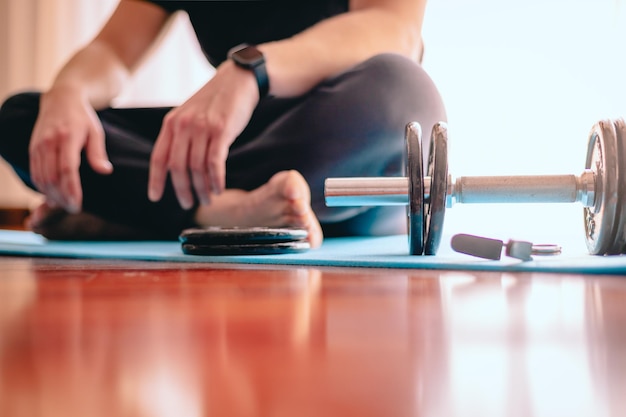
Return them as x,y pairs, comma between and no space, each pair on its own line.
415,174
619,241
435,205
602,159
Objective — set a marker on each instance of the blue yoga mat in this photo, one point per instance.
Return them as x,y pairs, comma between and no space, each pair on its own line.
372,252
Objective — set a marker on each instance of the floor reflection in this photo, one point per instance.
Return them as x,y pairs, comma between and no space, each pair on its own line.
308,342
520,346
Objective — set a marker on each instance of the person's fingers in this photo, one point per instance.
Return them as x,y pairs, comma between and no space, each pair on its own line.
45,168
46,153
158,162
216,162
54,197
96,149
51,203
36,169
69,177
178,162
198,166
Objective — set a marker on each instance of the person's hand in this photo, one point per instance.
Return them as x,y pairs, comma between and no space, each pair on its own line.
195,138
65,125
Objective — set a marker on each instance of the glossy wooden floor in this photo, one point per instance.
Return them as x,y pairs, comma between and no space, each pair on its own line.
93,338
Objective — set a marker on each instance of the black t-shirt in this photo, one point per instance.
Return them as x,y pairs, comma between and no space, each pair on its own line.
220,25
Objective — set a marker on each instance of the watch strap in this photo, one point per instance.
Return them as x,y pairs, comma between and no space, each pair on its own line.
262,79
257,66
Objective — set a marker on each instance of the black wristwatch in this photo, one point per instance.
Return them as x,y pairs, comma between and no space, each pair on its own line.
251,58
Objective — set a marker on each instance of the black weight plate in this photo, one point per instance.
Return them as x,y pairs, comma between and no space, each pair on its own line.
602,159
415,174
241,235
619,241
250,249
435,206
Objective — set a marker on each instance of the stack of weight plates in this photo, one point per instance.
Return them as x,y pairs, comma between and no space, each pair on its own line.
244,241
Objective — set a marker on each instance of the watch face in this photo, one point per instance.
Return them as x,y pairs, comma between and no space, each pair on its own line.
247,56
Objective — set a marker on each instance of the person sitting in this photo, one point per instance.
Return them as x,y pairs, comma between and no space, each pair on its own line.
302,91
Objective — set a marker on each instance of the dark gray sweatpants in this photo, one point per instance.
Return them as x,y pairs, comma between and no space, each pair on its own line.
350,125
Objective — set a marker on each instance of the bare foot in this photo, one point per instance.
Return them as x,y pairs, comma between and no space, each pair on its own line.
57,224
285,200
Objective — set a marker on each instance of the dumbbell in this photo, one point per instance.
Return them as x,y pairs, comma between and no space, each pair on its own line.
600,188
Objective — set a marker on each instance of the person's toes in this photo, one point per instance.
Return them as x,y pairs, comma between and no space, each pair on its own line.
295,186
316,235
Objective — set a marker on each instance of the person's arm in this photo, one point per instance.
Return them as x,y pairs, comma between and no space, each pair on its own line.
297,64
99,70
195,138
67,122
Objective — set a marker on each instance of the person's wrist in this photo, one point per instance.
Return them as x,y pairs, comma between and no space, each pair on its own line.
250,58
62,92
244,78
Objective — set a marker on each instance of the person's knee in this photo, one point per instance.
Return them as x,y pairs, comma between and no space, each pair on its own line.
402,90
391,72
381,95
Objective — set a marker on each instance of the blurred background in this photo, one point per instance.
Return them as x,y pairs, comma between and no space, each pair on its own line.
523,82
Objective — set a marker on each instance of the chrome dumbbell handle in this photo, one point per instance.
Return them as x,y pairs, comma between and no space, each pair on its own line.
390,191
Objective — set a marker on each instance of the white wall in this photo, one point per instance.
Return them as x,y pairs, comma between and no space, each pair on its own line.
524,82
